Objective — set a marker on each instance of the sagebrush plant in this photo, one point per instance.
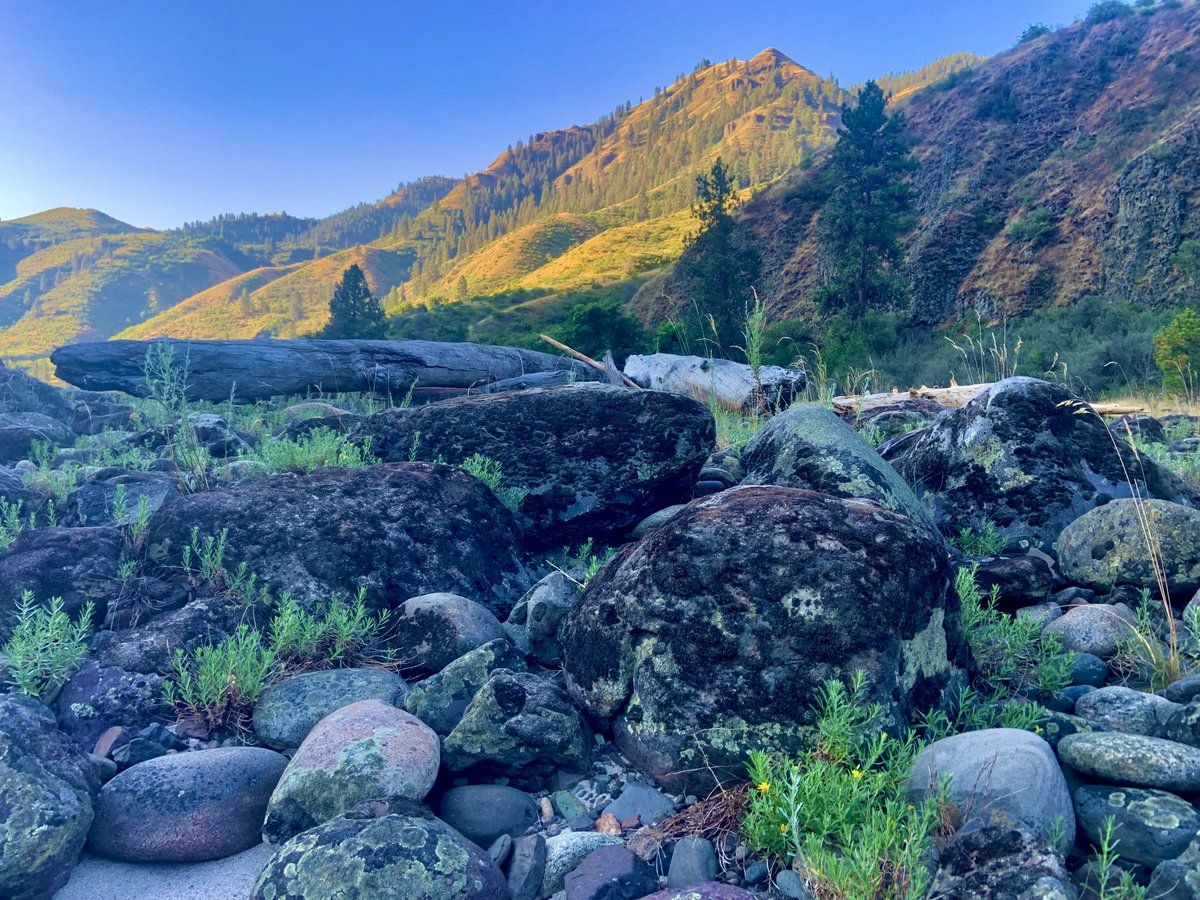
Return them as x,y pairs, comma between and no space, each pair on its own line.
203,560
218,685
986,540
57,481
491,472
584,561
46,646
1013,652
165,379
340,635
321,448
12,521
838,814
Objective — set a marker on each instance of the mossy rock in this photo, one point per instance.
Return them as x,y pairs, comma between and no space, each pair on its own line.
714,635
407,855
1109,546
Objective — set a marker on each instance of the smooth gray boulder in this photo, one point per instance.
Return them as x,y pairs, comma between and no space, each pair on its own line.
1003,770
288,711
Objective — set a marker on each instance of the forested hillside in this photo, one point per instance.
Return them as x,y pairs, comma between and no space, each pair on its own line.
1062,171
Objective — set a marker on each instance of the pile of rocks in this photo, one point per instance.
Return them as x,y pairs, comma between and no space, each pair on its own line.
540,731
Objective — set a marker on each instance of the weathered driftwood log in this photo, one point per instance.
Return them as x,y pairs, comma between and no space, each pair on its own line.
952,398
252,370
732,384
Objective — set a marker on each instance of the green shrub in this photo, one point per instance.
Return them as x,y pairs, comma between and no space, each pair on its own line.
320,448
219,685
1012,652
592,328
1106,11
838,813
491,472
12,522
1035,229
986,540
45,647
1177,353
1033,32
339,636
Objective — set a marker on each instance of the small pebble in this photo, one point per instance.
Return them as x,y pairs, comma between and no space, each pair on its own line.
757,872
546,808
500,849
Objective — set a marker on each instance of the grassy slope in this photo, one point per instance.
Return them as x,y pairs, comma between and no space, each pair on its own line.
285,302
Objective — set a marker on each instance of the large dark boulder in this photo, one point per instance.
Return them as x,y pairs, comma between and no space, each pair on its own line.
186,807
713,635
1028,456
15,490
21,393
20,431
396,530
78,564
595,459
46,788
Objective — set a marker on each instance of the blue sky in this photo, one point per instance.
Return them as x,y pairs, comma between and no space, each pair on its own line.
165,112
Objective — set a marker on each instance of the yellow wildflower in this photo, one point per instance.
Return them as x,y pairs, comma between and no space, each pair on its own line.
764,786
856,773
783,827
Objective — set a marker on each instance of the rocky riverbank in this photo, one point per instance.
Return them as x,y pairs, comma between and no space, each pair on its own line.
524,645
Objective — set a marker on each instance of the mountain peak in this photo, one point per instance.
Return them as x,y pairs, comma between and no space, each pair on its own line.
768,59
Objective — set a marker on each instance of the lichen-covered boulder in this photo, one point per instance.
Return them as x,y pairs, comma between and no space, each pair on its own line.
397,530
807,446
713,635
375,852
1133,759
368,750
288,711
1109,545
1152,826
186,807
595,459
440,700
46,788
520,726
78,564
1028,456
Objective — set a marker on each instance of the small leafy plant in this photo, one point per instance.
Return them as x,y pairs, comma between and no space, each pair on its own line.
12,522
986,540
46,647
838,814
491,472
341,635
320,448
219,685
1012,651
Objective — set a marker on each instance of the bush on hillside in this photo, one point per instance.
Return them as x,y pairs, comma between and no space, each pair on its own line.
1106,11
1177,353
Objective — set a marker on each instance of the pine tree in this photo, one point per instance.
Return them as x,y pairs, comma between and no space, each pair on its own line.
870,208
719,265
354,312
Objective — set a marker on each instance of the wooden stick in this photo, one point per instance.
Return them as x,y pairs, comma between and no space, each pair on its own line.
582,358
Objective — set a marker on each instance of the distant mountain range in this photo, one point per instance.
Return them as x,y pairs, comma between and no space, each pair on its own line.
1064,167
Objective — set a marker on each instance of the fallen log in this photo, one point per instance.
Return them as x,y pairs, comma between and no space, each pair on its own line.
732,384
256,369
952,398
